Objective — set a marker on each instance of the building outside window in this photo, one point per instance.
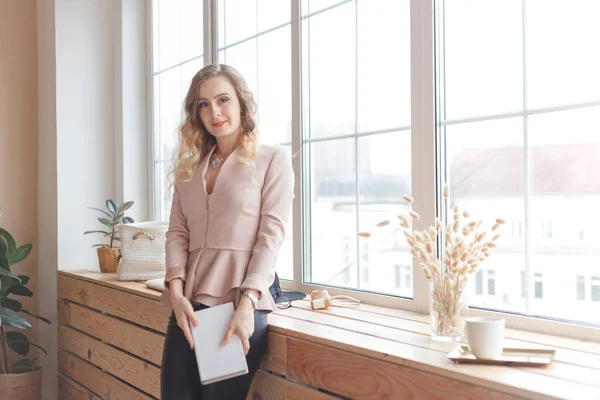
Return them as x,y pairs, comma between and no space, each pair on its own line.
491,282
539,286
581,288
595,288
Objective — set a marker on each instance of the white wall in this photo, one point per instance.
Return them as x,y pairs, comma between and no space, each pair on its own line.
135,168
93,134
85,36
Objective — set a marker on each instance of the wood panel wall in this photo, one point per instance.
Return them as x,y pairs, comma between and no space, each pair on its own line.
111,341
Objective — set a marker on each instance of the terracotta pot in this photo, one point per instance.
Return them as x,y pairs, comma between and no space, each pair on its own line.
108,258
26,386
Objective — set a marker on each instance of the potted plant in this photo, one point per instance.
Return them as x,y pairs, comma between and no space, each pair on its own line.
109,255
23,378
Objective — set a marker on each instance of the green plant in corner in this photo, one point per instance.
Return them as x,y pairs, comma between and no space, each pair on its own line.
11,310
113,216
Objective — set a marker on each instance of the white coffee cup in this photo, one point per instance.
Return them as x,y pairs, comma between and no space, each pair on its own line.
485,336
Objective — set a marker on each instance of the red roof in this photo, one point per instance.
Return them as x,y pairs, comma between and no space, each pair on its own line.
567,169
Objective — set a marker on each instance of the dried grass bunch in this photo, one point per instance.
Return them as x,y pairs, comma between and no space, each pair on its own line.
465,246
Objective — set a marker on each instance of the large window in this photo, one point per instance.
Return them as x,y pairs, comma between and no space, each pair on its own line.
356,141
255,38
518,114
380,98
178,50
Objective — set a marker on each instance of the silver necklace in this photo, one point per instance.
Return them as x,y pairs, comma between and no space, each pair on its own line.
216,162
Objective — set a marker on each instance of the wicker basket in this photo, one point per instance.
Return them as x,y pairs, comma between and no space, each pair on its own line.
108,259
142,250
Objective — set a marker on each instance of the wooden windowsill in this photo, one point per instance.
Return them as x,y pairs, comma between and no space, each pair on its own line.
402,338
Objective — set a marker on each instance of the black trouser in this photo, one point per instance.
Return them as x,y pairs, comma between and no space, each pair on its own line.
179,378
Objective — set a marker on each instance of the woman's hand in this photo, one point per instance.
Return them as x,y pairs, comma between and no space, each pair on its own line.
183,310
242,324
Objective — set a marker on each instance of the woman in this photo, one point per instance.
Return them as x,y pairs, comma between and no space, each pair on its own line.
230,207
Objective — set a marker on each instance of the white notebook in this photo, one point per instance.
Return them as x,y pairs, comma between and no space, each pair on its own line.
216,362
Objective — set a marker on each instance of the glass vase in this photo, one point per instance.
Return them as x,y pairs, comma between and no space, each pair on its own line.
448,309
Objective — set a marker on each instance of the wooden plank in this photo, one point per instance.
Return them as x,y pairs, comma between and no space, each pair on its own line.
270,387
574,357
109,279
132,370
132,338
543,339
359,377
573,373
520,383
68,389
369,329
275,357
556,341
371,318
150,313
105,385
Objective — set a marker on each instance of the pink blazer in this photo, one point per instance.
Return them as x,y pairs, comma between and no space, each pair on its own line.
229,240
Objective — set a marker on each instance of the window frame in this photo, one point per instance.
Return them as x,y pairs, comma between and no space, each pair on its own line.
425,168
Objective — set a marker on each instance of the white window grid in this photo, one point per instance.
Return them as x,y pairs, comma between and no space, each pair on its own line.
532,282
427,140
160,200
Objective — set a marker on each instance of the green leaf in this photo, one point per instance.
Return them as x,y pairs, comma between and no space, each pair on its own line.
4,263
87,232
111,205
20,254
102,211
11,303
124,207
21,290
18,342
37,316
6,285
10,318
5,272
128,220
3,247
38,346
106,222
23,365
24,279
9,240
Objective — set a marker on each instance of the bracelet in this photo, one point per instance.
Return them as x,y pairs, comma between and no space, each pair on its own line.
252,298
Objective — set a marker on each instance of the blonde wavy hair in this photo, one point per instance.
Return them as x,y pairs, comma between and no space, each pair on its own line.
195,142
